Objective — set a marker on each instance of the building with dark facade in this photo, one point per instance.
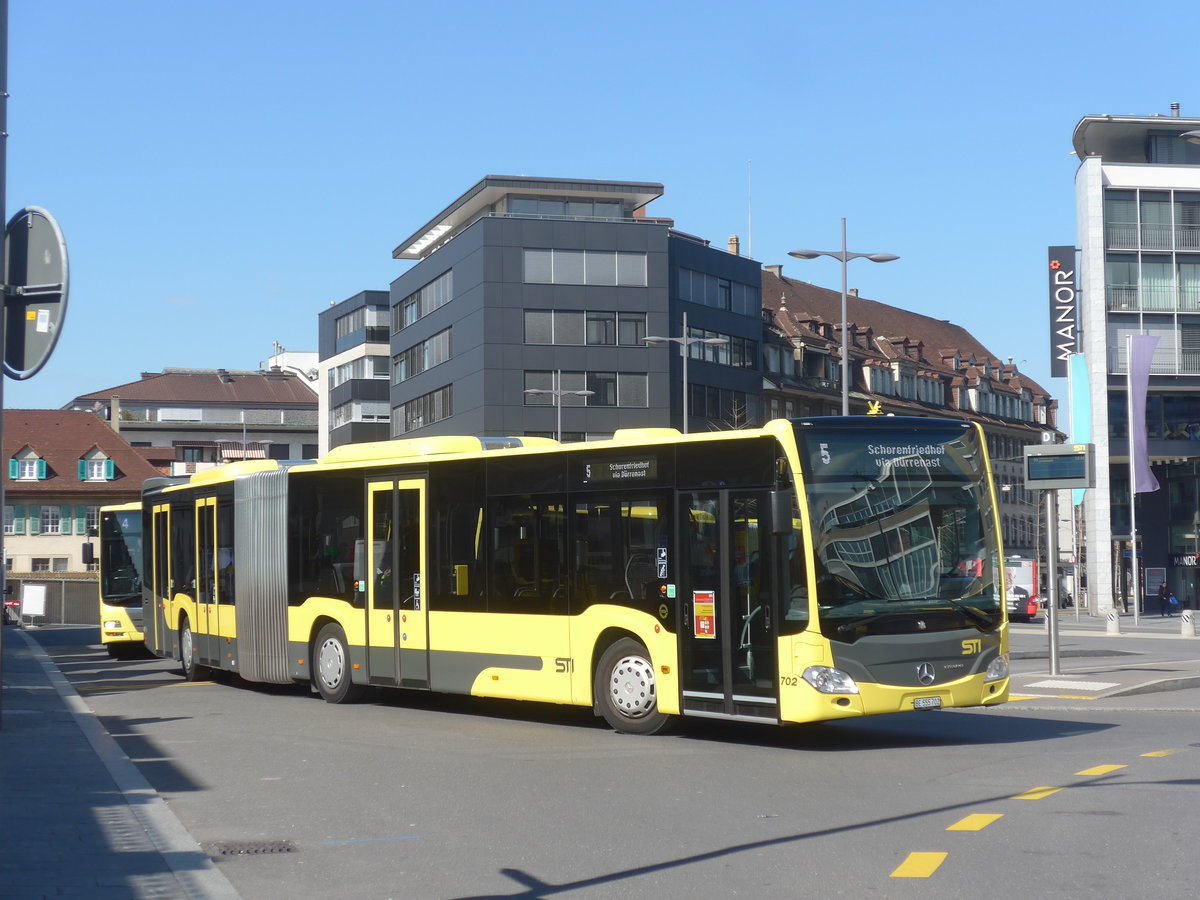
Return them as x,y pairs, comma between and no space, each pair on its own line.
528,292
353,370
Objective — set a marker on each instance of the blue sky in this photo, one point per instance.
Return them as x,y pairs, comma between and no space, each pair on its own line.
222,171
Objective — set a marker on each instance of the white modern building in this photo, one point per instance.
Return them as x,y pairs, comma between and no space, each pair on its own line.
1138,220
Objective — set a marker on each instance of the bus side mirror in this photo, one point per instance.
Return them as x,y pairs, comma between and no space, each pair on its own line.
89,554
781,512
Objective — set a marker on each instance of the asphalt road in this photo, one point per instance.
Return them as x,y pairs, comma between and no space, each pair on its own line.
420,796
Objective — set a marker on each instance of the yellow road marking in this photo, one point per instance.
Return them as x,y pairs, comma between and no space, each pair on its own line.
1037,793
1099,770
136,686
975,822
919,865
1161,753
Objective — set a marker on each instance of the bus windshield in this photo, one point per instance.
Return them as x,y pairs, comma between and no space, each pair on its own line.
902,526
121,558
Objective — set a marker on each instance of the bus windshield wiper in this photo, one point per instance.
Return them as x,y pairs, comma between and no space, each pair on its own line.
979,618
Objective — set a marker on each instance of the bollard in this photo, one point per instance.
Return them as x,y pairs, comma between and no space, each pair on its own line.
1114,623
1187,628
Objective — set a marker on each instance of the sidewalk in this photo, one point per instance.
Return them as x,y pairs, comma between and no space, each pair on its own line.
78,818
1152,656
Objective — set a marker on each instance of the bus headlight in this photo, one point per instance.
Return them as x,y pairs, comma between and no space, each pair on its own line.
830,681
997,668
111,626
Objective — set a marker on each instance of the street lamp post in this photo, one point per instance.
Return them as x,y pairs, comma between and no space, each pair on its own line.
684,343
844,256
557,393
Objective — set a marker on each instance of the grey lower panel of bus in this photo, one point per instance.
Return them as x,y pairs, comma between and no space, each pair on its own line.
450,671
917,660
711,705
260,575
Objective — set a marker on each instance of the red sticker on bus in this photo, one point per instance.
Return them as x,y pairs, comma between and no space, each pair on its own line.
704,614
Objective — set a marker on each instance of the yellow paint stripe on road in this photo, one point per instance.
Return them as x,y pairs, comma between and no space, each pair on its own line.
1037,793
975,822
1161,753
135,686
919,865
1100,770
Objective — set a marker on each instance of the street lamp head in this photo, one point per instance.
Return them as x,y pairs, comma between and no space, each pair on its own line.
882,257
655,339
1192,137
805,254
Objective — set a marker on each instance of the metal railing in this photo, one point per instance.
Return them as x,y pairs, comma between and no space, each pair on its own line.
1151,236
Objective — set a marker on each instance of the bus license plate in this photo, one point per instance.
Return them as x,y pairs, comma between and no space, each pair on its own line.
927,703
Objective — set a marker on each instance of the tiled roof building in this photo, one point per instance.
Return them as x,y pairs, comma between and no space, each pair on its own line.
908,364
197,418
62,465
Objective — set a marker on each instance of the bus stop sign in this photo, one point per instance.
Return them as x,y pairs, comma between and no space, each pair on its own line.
35,291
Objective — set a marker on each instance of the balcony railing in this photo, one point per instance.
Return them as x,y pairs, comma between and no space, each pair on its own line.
1152,298
1130,236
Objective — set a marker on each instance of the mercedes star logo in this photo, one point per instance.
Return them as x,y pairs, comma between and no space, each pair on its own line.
925,673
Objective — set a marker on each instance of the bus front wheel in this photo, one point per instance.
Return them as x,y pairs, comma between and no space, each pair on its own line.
331,672
626,689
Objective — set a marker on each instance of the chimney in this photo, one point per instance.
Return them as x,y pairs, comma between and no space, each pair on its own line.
735,245
776,270
1175,110
114,414
853,292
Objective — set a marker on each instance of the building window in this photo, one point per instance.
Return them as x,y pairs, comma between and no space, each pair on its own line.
28,468
592,267
601,328
608,388
92,520
631,329
96,468
10,520
556,207
358,411
422,411
51,522
421,303
363,368
720,293
351,322
422,356
565,327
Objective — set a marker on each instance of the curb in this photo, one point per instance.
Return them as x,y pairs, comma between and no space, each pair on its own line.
196,873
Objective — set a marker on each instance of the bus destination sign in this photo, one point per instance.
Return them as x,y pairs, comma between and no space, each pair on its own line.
641,469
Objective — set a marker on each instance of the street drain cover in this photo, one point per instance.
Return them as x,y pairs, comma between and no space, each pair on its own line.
248,848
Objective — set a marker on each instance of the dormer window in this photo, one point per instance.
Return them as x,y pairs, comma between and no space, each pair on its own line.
27,466
95,466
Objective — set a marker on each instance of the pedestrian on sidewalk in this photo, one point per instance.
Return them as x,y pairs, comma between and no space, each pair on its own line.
1163,599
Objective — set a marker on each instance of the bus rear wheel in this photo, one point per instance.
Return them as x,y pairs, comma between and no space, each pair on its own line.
626,692
331,666
192,670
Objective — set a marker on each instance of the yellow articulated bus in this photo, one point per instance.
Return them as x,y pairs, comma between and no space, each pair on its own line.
811,569
120,581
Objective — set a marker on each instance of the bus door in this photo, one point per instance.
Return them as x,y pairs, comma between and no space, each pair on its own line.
157,549
397,626
727,612
205,630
